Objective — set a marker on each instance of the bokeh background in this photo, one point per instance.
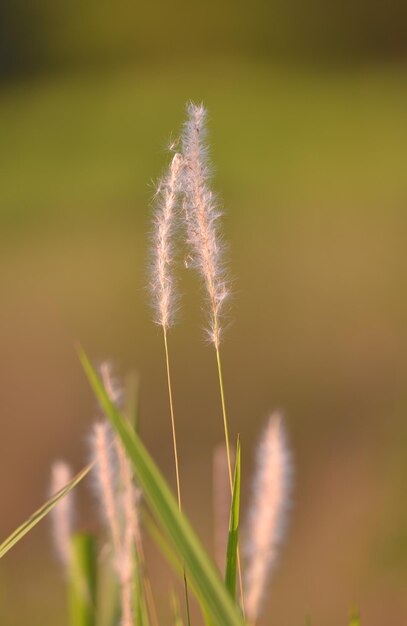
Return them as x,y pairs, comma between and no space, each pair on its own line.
308,125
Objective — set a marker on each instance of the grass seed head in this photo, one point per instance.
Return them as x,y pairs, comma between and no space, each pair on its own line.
267,521
162,282
62,515
202,213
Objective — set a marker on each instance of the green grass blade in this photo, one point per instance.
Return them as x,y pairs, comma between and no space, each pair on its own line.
163,546
354,618
141,617
132,408
172,557
233,538
82,580
108,606
213,595
176,615
36,517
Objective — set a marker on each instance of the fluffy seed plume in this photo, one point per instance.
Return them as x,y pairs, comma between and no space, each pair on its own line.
268,510
128,501
111,384
106,478
124,560
62,514
202,214
162,278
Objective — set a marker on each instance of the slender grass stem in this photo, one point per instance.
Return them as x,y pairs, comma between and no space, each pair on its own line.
227,442
174,436
148,591
174,441
225,421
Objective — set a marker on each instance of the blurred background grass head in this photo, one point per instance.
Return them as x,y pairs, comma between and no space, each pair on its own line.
308,128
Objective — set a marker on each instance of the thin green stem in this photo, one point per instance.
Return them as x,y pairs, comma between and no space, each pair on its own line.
187,598
174,436
226,429
174,441
225,421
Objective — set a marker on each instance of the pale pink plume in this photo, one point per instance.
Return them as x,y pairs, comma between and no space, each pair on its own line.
130,493
162,275
103,456
62,514
126,507
267,514
202,213
111,383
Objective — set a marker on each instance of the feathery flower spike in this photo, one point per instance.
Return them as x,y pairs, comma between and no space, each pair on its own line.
131,494
271,490
162,278
62,513
162,284
202,213
130,526
106,477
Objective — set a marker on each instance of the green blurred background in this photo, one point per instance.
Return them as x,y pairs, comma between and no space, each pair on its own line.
308,125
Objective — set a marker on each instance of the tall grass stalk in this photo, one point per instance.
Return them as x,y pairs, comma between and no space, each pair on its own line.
202,214
172,415
162,287
125,469
174,440
227,443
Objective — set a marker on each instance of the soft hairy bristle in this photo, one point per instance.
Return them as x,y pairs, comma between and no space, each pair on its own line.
270,498
62,514
106,477
124,560
111,383
202,214
128,500
127,506
162,274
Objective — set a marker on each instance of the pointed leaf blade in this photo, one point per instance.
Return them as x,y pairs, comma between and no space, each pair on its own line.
233,538
213,595
36,517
